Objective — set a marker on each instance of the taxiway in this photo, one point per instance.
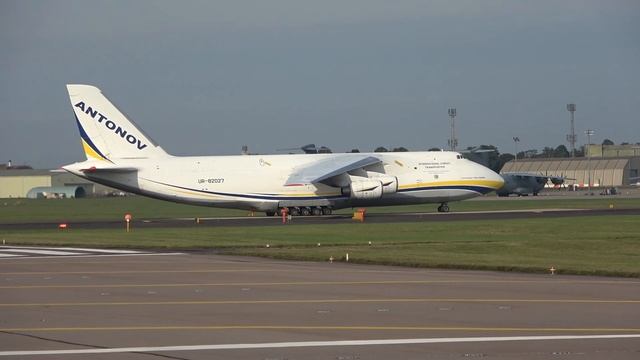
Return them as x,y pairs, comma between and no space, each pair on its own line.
205,306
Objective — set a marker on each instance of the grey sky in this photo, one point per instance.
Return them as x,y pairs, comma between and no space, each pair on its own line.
206,77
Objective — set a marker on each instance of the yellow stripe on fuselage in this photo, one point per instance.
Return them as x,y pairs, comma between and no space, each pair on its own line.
484,183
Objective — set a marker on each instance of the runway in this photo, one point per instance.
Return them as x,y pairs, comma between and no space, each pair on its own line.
334,219
204,306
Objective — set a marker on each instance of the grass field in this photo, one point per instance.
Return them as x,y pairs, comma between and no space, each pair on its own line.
69,210
606,245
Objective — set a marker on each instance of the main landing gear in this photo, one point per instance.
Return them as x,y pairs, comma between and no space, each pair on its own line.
302,210
444,207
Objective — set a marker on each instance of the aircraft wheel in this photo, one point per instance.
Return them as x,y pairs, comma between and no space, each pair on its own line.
443,208
305,211
270,213
294,211
316,211
326,211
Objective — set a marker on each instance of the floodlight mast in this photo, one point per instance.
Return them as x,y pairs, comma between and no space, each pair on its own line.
589,134
571,138
453,142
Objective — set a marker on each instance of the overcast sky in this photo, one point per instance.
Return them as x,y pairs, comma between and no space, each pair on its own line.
206,77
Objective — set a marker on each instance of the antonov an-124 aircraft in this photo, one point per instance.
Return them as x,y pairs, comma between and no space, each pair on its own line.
120,155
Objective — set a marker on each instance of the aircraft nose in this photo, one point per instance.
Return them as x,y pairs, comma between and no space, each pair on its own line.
495,180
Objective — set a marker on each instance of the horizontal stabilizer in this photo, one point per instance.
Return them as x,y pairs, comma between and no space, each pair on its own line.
108,169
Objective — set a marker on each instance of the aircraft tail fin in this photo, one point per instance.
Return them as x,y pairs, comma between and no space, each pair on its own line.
106,132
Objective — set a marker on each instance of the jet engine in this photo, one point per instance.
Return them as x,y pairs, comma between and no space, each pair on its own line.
389,183
366,189
557,180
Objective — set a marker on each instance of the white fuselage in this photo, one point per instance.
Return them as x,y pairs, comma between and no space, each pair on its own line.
257,182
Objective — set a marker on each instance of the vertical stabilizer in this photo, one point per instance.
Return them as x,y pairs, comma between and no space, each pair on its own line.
106,132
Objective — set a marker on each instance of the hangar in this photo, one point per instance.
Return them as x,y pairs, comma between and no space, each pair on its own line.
17,183
56,192
604,172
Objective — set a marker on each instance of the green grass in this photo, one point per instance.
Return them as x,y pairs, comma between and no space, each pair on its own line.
69,210
605,245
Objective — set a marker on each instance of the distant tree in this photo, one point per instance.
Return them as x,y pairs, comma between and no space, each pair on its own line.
354,151
400,149
607,142
503,159
529,153
547,152
561,151
434,149
381,149
625,143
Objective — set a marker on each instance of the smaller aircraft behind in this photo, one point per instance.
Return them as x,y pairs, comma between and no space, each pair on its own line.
523,184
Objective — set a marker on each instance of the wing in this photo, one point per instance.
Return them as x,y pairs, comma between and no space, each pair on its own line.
318,171
556,180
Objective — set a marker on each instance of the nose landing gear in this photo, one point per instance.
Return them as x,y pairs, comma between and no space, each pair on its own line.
443,208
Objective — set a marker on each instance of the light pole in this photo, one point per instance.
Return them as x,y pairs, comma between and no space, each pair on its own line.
571,138
516,140
589,133
453,142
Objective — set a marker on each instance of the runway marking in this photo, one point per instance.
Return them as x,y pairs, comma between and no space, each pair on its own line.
326,301
299,344
108,251
37,252
144,271
9,255
315,328
32,252
317,283
95,256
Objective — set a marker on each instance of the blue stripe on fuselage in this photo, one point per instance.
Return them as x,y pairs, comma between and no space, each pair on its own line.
478,189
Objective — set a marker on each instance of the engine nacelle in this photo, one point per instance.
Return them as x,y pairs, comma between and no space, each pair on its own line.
368,189
389,183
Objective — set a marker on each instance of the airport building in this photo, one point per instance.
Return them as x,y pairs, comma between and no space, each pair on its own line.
603,171
609,151
29,183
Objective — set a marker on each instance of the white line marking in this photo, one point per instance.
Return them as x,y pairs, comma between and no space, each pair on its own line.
10,255
315,344
109,251
97,256
40,252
